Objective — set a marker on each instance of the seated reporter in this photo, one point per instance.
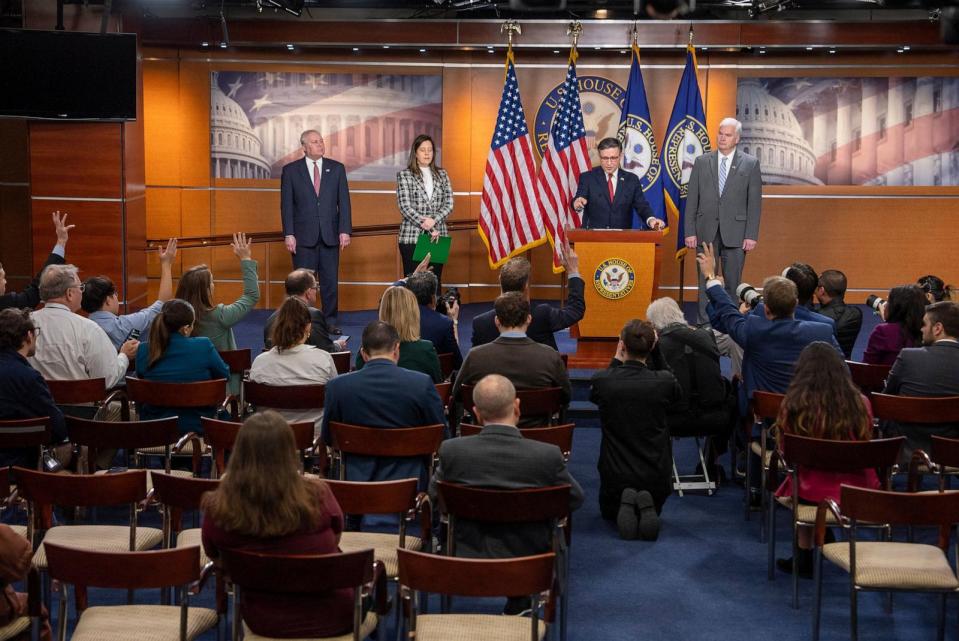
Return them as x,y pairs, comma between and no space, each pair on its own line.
831,294
301,284
439,329
171,355
264,504
291,361
901,327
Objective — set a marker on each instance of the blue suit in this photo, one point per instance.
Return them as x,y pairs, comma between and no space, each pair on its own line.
802,313
385,396
317,222
600,213
770,347
186,360
24,394
438,329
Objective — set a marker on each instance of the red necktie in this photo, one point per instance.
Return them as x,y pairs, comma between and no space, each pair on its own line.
316,177
609,185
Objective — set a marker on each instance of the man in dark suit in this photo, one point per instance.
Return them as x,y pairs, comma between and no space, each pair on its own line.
500,458
437,328
526,363
831,291
30,297
300,283
514,277
315,211
772,342
725,191
607,196
806,280
930,370
385,396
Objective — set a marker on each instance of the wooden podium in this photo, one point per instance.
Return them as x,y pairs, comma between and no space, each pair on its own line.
621,272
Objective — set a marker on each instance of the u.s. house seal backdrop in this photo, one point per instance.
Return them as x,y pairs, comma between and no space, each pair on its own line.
614,278
684,144
602,101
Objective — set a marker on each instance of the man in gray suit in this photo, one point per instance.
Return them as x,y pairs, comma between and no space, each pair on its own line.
930,370
500,458
723,206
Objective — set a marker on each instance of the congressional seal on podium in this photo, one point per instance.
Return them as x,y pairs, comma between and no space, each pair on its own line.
614,278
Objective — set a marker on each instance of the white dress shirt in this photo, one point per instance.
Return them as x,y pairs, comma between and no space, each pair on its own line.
309,167
427,181
71,347
300,365
729,165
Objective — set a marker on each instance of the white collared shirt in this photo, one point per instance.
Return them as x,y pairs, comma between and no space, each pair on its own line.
309,166
615,176
300,365
427,181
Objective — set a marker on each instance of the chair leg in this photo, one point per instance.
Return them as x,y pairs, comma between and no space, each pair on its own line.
817,598
795,559
676,482
941,627
771,545
748,452
853,613
701,445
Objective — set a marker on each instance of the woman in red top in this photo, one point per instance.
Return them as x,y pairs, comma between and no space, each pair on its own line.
823,402
265,504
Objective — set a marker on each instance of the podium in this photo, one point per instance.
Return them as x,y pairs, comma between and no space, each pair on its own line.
621,272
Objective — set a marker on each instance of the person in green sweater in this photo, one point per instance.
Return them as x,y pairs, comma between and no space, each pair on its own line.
398,308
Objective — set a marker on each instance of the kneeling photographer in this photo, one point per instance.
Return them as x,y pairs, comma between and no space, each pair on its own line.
438,318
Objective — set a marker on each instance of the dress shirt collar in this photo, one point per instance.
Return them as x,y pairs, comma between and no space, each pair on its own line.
379,361
60,306
729,158
513,334
309,164
615,176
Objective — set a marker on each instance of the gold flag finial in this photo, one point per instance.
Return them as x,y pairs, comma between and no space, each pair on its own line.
512,28
690,34
634,34
574,29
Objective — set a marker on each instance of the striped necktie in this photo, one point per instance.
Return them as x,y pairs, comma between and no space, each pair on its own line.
722,175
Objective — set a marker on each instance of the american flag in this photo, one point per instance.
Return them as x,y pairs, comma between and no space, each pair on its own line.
510,220
566,157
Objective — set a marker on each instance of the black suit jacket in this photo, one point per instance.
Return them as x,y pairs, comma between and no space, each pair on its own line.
311,218
546,318
319,334
500,458
600,213
29,297
438,329
848,323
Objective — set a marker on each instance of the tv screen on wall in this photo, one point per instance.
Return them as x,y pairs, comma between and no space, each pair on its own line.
65,75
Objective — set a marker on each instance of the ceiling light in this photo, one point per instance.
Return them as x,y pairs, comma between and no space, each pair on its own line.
224,45
905,47
809,48
290,46
204,44
762,51
832,51
386,46
422,50
602,13
555,50
356,48
899,50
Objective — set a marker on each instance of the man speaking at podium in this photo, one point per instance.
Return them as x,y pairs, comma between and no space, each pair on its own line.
607,195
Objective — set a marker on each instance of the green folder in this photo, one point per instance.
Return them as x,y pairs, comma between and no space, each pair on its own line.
439,251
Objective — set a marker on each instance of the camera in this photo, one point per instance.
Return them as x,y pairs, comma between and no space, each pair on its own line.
444,302
876,303
748,294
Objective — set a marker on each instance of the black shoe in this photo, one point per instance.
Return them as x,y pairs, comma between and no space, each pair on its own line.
627,519
648,519
804,566
335,331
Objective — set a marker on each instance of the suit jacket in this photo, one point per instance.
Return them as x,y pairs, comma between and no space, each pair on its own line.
801,313
30,296
500,458
770,347
635,450
522,360
414,204
385,396
24,394
932,370
319,334
186,360
628,195
311,218
848,320
736,213
438,329
546,318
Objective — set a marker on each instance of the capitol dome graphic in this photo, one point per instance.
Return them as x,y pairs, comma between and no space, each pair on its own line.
772,133
234,147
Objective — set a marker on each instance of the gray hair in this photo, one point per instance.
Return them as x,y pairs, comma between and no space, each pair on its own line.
308,132
732,122
493,396
56,280
663,312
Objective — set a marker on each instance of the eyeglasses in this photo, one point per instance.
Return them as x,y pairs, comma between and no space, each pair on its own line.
81,287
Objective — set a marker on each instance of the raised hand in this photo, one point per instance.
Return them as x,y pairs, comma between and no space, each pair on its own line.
63,230
241,246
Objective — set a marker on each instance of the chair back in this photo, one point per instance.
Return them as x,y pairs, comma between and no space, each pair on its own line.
4,484
842,456
446,364
285,397
766,405
904,508
300,573
25,432
475,577
85,390
445,390
198,394
376,497
392,442
868,377
87,491
128,435
221,435
916,409
945,451
537,403
559,435
182,492
342,361
238,360
123,570
503,506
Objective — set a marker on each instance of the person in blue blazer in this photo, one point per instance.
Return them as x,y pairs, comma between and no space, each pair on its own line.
315,211
435,327
607,195
172,356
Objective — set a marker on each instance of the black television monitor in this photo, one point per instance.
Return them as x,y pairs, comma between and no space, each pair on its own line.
68,75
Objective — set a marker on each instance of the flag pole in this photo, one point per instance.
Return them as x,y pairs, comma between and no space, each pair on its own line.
682,265
574,29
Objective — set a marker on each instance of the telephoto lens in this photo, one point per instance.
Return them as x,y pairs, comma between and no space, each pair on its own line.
749,295
876,303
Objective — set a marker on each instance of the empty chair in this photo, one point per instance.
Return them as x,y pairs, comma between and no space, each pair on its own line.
98,436
342,361
870,378
765,408
178,495
942,460
89,391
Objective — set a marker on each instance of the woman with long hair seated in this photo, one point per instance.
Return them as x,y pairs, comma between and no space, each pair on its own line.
398,308
822,402
291,361
901,327
171,355
264,504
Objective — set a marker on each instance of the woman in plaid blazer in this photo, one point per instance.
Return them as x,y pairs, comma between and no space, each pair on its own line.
425,199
